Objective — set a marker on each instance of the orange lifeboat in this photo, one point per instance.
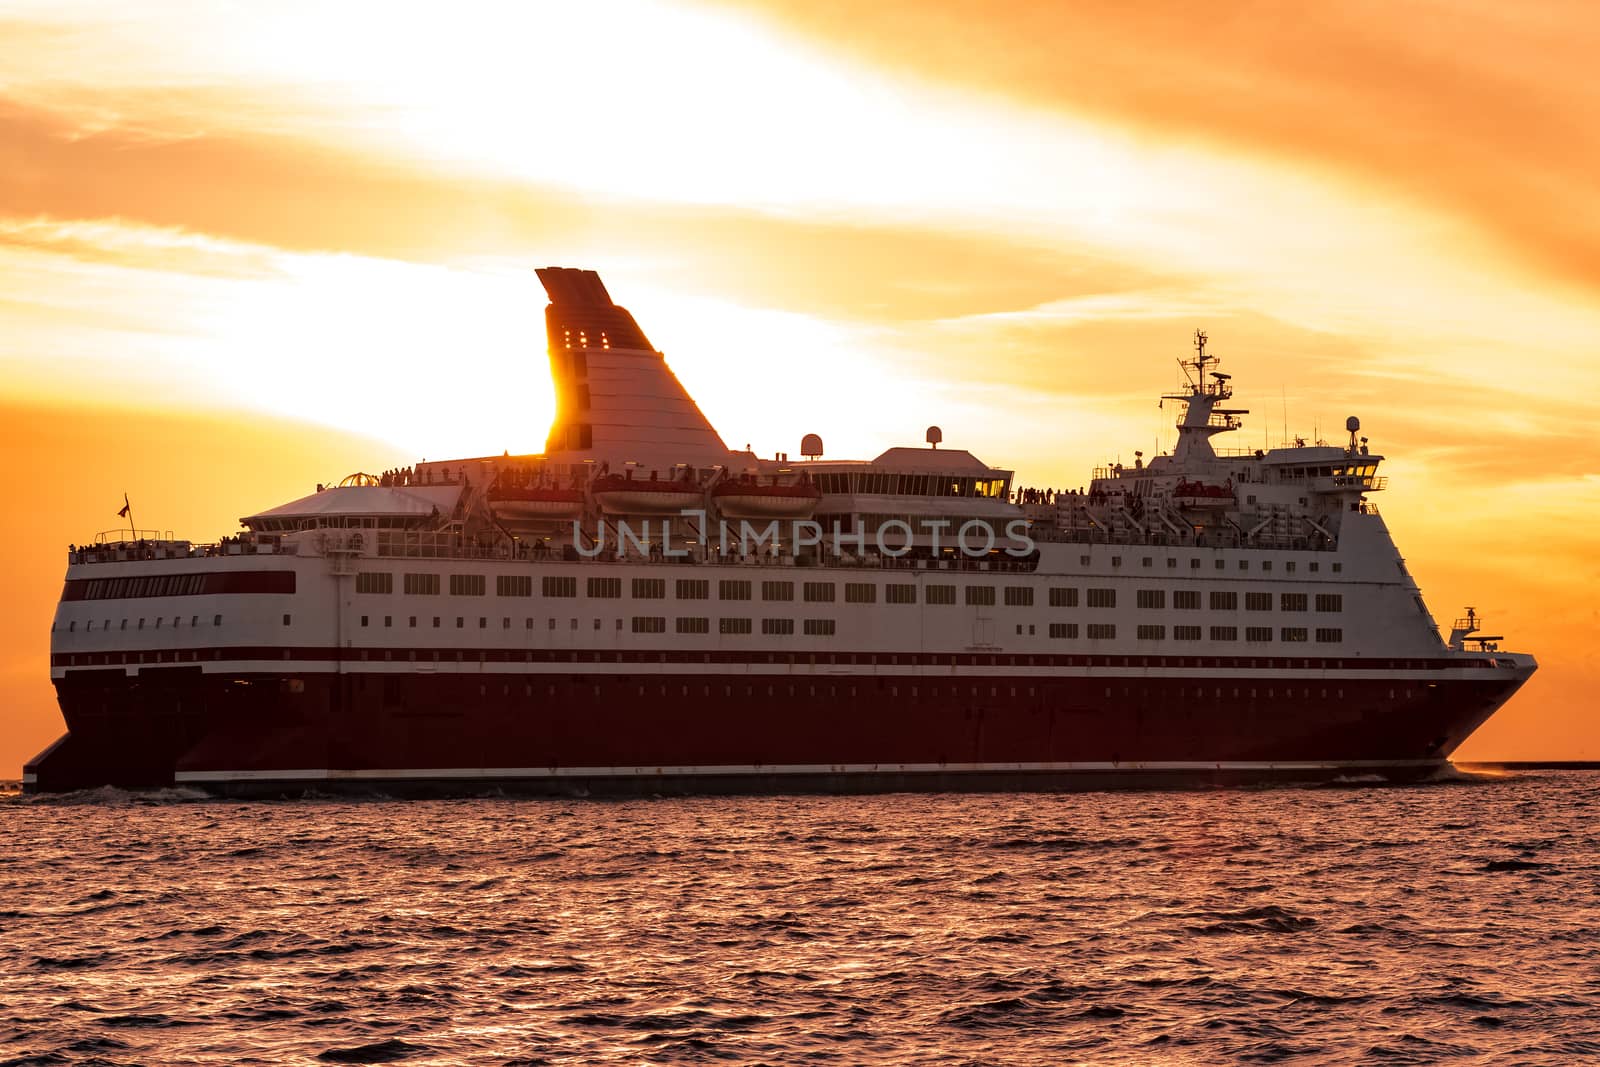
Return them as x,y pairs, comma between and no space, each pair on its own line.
619,494
745,498
514,502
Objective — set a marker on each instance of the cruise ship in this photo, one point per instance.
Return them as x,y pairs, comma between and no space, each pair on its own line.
642,609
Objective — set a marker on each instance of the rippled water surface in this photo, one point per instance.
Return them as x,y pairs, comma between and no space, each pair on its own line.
1443,922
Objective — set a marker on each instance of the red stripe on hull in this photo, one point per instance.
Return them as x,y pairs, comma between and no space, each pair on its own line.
141,730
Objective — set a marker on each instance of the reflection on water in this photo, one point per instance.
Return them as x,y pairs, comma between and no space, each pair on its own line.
1403,924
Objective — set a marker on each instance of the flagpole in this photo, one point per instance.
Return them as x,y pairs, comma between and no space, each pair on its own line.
128,507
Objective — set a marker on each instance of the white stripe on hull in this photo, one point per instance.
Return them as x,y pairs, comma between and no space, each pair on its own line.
725,770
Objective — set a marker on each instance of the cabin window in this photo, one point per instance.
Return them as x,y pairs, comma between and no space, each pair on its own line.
778,591
1064,630
650,589
1149,632
1102,631
1330,602
468,585
1186,600
733,626
604,588
733,589
559,586
862,592
1224,633
513,585
1292,602
1258,602
421,585
286,620
940,594
980,595
1063,597
1258,634
1152,598
1221,601
1292,633
900,593
1186,633
1102,598
694,589
818,592
377,582
649,624
819,627
1019,596
694,625
777,626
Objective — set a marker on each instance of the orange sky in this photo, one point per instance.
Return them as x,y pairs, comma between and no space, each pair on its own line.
235,242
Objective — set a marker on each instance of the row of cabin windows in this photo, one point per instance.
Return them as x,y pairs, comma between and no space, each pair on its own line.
177,621
1219,563
823,592
1256,634
640,624
148,585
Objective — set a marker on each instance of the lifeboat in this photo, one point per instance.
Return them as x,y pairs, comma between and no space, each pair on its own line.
1202,495
618,494
536,503
745,498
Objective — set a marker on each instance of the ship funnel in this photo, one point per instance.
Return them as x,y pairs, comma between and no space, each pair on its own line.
616,398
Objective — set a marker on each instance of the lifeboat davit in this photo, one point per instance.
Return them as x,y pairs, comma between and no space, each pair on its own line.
620,495
536,503
743,498
1201,495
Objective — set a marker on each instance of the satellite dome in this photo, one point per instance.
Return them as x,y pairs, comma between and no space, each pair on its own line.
811,446
935,435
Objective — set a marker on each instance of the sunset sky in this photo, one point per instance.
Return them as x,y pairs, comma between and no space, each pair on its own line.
247,248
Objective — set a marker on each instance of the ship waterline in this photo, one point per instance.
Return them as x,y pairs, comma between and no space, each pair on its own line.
598,619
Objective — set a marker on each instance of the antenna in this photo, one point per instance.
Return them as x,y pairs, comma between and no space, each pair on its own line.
1285,392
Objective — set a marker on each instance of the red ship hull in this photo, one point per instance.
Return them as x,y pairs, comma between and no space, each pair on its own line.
747,727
